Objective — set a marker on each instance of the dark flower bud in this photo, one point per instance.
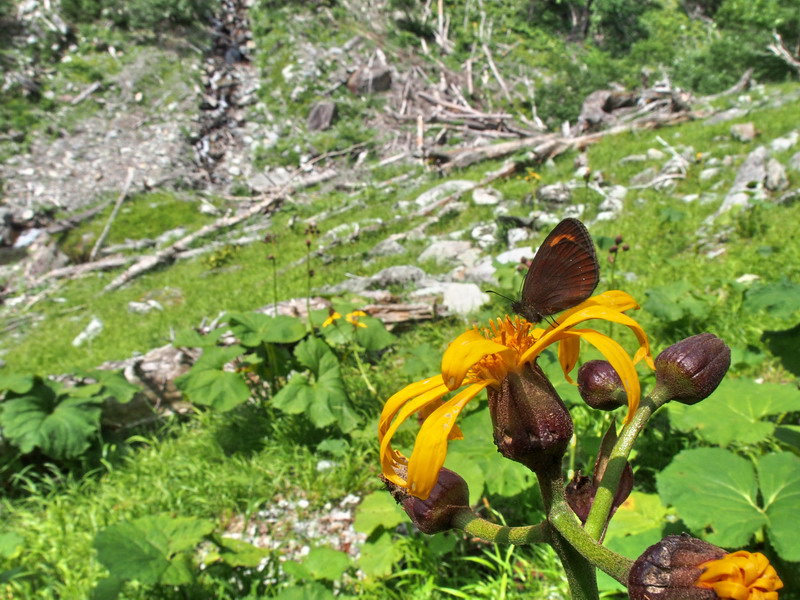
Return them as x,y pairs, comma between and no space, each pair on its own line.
670,569
618,240
613,249
531,425
435,514
625,247
308,243
311,272
600,385
690,370
270,257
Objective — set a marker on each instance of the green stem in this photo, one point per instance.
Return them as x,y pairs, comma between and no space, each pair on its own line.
273,366
580,572
308,288
567,524
604,498
363,372
275,287
475,526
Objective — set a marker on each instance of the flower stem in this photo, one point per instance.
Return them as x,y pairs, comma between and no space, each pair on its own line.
475,526
617,459
363,372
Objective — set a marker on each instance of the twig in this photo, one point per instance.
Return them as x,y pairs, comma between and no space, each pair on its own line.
781,51
86,93
496,73
122,195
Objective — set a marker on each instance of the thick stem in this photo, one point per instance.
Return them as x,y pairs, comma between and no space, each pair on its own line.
567,524
480,528
580,572
604,498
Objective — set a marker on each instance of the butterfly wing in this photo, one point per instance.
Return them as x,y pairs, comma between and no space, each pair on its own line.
563,273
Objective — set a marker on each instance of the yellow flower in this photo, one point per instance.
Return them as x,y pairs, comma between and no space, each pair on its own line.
331,319
741,576
479,359
352,318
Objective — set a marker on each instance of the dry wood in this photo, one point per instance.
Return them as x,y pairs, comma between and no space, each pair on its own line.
779,49
122,195
75,271
496,73
86,93
393,314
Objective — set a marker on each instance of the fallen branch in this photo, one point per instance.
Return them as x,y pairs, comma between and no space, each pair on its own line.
122,195
496,73
86,93
779,49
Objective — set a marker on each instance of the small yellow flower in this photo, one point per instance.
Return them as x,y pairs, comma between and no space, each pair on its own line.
352,318
741,576
479,359
331,319
532,176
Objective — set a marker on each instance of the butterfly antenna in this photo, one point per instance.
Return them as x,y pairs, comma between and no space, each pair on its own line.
501,295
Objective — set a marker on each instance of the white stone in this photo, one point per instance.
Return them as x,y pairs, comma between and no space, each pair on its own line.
443,251
440,191
515,255
463,298
517,235
91,331
486,197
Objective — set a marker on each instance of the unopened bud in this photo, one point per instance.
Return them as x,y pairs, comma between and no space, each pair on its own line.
625,247
600,386
690,370
530,422
613,249
618,240
670,569
435,514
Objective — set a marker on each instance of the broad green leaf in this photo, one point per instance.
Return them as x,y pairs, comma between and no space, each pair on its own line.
316,355
778,298
296,570
675,302
9,544
421,361
16,382
87,390
378,510
145,549
253,329
713,488
441,543
379,556
60,427
463,462
374,336
334,446
735,411
779,478
639,513
108,588
217,357
190,338
296,396
308,591
220,390
238,553
115,385
327,563
788,434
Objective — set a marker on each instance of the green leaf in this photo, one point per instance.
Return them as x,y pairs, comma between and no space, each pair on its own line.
788,434
220,390
16,382
779,299
115,385
10,542
191,338
327,563
779,477
421,361
639,513
296,570
238,553
217,357
334,446
324,399
108,588
379,556
374,336
676,302
147,549
253,329
61,427
735,411
378,510
308,591
713,488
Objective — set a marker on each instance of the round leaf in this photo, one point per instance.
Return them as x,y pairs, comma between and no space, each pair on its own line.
378,510
779,476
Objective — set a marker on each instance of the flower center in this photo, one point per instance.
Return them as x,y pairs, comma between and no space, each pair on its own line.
514,335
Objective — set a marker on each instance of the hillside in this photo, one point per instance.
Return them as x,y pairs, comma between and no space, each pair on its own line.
173,173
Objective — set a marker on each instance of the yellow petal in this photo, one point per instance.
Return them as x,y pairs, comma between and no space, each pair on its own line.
729,589
357,313
466,350
622,363
331,319
394,403
430,448
568,351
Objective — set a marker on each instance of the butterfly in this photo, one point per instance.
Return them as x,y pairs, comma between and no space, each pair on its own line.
564,272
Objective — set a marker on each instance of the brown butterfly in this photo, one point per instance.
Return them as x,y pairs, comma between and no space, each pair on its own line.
563,273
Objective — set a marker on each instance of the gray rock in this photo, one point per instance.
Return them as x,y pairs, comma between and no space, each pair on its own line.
440,191
643,177
142,308
515,255
655,154
784,143
775,179
26,238
367,80
744,132
748,181
321,116
387,247
575,211
91,331
444,251
485,235
516,235
556,193
633,158
486,196
711,173
726,115
794,162
463,298
398,275
789,197
481,272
